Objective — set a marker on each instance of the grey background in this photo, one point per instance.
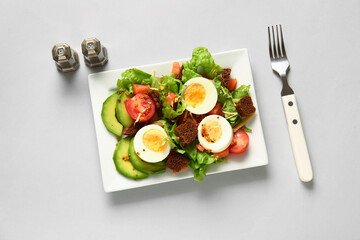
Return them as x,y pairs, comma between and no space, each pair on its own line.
50,182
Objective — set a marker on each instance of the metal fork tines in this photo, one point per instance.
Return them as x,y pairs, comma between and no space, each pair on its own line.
279,62
280,65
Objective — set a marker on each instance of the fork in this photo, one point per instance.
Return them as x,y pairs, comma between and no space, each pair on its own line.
280,65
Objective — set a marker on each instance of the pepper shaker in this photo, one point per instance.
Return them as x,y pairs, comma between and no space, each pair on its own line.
66,59
95,54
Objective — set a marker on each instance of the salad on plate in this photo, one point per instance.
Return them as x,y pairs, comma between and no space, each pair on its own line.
193,117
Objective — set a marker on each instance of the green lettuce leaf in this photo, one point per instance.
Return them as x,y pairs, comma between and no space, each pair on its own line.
135,75
246,129
167,110
241,92
124,84
188,74
203,62
200,160
228,106
169,129
230,112
171,84
199,173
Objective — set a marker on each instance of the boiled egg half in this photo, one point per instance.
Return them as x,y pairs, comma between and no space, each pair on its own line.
151,143
200,95
215,133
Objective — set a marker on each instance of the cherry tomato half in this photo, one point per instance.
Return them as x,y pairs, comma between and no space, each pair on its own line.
140,104
216,110
222,154
240,142
170,98
140,88
232,84
200,147
176,68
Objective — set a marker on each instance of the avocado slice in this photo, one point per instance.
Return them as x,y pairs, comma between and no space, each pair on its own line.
108,115
141,165
121,114
162,163
123,163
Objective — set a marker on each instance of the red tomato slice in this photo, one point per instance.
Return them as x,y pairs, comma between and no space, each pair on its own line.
140,104
200,147
232,84
170,98
222,154
240,142
140,88
176,68
216,110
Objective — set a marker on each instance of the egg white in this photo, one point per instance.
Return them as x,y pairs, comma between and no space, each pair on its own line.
226,136
149,155
210,98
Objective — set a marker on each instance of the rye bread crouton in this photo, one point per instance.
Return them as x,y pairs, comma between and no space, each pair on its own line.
187,132
155,96
225,77
245,106
177,162
133,128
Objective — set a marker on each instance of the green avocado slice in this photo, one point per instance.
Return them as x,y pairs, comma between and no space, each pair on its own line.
121,114
138,163
108,115
123,163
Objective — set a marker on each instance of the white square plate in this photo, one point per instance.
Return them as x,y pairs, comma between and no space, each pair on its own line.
103,84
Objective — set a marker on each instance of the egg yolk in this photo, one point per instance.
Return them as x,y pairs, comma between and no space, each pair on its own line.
155,140
211,131
194,94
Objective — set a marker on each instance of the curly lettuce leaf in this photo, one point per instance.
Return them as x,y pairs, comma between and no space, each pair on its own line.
203,62
228,106
173,139
167,110
200,160
188,74
246,129
125,84
135,75
171,84
241,92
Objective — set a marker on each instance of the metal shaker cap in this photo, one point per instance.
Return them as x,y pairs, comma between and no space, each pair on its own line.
95,54
66,59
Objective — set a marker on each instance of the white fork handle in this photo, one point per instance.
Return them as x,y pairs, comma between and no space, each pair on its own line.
298,142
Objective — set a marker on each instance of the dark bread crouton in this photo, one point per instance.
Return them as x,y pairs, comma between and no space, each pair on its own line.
155,96
187,132
245,106
225,77
177,162
133,128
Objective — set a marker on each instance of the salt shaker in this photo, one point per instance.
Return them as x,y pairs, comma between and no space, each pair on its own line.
95,54
66,59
